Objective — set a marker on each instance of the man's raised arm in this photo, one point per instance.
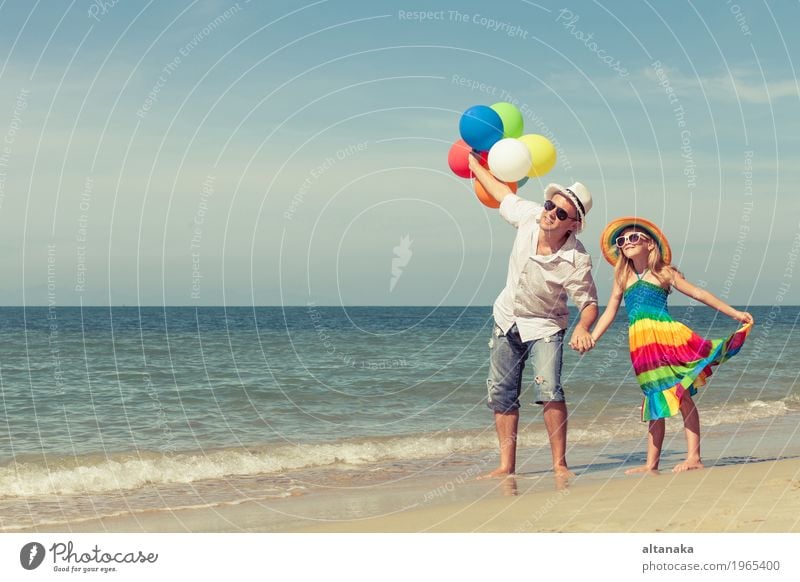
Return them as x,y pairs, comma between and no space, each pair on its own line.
492,185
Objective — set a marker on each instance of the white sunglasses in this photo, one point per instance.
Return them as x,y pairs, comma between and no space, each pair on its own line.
633,237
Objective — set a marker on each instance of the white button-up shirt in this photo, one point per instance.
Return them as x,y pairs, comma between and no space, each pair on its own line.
535,295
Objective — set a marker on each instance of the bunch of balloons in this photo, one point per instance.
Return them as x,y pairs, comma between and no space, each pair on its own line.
495,135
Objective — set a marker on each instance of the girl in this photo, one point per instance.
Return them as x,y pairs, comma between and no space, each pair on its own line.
669,359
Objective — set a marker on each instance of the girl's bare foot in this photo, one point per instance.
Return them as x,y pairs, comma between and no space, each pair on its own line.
688,465
642,469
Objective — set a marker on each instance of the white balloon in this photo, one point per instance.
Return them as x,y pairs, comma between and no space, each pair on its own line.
510,160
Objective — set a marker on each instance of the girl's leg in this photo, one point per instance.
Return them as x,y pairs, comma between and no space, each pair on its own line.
655,438
691,426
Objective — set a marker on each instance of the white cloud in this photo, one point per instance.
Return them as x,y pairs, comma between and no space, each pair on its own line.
739,84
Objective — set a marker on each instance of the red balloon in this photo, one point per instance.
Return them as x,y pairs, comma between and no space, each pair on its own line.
458,159
486,198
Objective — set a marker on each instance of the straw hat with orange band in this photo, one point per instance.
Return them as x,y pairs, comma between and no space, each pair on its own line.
612,231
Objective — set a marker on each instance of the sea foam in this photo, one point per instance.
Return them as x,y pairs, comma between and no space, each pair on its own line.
133,470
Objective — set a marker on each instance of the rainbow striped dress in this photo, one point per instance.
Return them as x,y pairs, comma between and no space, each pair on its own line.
669,359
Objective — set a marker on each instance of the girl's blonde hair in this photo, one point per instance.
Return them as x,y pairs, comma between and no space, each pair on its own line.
662,271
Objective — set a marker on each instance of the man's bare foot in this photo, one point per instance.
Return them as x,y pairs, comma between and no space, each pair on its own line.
498,473
563,472
688,465
642,469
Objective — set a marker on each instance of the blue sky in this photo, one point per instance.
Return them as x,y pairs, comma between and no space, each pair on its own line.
207,153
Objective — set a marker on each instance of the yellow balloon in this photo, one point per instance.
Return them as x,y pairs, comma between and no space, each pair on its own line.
543,154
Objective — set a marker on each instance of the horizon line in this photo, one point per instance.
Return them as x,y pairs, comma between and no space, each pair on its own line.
339,306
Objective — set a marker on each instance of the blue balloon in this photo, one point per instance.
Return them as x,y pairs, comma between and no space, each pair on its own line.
481,127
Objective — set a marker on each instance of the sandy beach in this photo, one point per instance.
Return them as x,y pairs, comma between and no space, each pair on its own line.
755,497
750,497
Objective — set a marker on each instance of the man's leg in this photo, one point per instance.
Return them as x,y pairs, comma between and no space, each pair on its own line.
506,362
547,358
506,424
555,421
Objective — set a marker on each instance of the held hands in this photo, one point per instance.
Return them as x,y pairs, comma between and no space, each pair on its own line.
581,340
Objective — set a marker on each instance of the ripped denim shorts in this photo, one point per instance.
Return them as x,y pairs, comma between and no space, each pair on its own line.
508,354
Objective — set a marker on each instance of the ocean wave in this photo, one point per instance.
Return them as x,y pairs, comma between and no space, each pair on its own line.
730,414
104,474
749,411
66,476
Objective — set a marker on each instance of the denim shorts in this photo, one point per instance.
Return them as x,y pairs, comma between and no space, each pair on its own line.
508,354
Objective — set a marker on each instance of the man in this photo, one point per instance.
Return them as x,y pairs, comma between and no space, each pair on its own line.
547,264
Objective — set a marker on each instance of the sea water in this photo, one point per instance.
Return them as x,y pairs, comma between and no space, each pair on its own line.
109,411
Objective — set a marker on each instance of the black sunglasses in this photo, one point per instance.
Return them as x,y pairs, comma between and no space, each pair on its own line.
561,214
633,237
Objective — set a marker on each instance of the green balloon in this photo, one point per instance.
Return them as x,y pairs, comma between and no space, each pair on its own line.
511,117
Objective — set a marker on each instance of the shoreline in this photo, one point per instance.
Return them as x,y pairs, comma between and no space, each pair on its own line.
747,466
751,497
754,497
